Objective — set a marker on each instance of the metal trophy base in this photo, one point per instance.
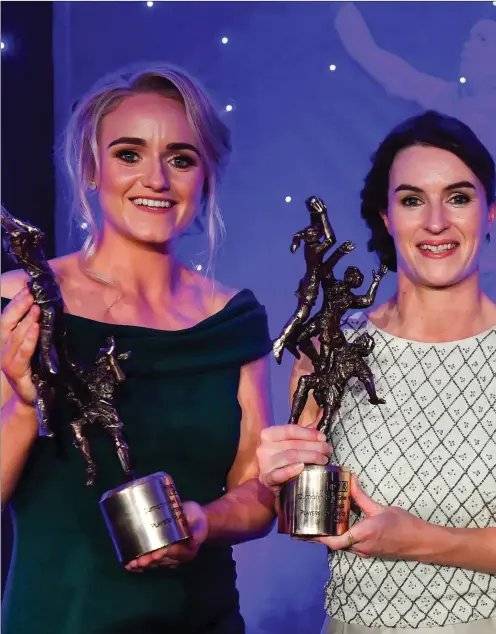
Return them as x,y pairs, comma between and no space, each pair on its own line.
144,515
316,503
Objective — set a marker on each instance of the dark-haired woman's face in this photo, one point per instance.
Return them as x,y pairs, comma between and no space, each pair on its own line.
437,216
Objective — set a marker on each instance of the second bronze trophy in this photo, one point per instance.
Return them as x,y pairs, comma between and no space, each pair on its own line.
317,502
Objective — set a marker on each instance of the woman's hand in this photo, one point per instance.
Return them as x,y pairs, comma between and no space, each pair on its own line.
20,332
387,532
285,449
176,554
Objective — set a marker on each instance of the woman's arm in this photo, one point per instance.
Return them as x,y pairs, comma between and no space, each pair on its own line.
469,548
246,511
394,533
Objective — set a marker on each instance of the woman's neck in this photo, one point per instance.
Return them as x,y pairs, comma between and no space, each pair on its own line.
149,273
428,314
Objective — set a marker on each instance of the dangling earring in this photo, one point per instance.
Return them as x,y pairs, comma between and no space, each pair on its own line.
92,185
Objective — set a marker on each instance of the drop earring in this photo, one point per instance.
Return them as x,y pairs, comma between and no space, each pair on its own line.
92,185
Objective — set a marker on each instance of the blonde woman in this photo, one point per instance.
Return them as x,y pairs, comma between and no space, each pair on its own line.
149,145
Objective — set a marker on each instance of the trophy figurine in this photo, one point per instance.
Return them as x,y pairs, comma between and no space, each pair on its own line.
23,243
317,502
143,514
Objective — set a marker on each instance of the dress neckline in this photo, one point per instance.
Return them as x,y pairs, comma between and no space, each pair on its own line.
238,299
466,341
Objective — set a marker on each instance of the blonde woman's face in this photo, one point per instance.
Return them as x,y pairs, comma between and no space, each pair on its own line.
152,175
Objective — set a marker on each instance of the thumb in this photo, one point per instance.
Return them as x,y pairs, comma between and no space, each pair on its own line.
194,514
366,504
197,520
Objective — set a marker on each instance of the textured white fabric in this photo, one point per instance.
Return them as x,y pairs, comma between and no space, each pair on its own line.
432,451
483,626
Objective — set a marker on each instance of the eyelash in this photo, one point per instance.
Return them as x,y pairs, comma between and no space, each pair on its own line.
466,200
188,160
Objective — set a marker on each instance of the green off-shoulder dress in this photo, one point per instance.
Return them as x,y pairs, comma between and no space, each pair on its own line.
181,415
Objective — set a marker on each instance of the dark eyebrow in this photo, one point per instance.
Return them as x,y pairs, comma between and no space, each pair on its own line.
449,188
409,188
461,185
183,146
131,140
127,140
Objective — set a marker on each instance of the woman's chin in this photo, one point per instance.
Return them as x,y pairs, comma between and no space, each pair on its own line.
441,281
153,239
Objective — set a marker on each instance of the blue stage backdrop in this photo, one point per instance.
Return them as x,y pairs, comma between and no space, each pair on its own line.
309,89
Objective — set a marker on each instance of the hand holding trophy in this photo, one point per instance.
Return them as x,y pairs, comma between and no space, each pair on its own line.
144,514
317,502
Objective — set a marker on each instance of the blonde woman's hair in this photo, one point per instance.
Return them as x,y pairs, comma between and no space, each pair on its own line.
80,143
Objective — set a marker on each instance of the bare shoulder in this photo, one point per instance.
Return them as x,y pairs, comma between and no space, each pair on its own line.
214,295
65,267
489,308
381,316
12,282
223,295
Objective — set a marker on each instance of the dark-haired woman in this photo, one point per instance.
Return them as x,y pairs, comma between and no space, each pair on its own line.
421,554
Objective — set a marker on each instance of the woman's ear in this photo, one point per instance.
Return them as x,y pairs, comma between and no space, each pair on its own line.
490,221
385,219
492,214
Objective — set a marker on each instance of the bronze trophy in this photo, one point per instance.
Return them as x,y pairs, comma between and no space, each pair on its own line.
143,514
317,502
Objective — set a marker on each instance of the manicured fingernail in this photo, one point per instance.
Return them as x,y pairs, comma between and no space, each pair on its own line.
322,437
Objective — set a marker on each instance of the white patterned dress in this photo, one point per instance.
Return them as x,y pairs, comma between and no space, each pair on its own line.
432,451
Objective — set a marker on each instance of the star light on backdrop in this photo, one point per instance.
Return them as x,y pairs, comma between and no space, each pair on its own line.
229,107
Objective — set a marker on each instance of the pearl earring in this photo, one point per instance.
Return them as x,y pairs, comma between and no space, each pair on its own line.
92,185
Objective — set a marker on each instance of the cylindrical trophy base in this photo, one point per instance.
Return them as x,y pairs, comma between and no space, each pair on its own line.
316,503
144,515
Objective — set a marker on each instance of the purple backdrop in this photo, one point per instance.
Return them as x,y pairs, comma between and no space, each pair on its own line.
299,128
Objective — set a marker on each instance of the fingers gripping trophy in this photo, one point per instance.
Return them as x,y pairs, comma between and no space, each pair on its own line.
143,514
317,501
